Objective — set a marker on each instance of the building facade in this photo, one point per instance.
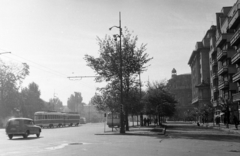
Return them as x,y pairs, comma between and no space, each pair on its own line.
221,89
200,69
181,87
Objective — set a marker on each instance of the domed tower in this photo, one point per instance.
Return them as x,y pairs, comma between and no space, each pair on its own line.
174,73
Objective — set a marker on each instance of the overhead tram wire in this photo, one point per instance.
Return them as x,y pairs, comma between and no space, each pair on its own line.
36,64
80,77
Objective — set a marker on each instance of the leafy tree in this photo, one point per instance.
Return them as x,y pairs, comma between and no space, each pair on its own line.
31,101
55,104
74,103
158,100
107,65
11,77
107,100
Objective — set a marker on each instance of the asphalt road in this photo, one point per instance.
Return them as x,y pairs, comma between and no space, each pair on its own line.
89,140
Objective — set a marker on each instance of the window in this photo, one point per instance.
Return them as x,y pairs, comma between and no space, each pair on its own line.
28,122
14,122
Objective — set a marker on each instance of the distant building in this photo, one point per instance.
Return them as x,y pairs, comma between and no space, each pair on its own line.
181,87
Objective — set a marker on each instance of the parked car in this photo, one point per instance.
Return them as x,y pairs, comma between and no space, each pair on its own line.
22,127
82,120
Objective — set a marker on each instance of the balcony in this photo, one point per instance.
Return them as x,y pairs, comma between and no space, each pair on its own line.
236,97
234,21
235,58
223,38
223,70
236,77
222,54
223,85
235,38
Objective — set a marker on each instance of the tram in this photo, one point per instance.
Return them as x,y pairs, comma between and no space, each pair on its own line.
56,119
113,120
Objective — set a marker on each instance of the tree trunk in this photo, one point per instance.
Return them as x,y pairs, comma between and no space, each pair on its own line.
137,119
132,121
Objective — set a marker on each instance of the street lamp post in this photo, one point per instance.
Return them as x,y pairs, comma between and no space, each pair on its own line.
122,129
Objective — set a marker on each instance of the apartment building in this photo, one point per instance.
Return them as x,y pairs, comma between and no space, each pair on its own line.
219,54
225,51
234,26
199,63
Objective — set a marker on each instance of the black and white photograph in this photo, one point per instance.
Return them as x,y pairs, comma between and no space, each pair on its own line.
119,77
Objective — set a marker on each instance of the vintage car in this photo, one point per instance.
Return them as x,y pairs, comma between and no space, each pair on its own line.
22,127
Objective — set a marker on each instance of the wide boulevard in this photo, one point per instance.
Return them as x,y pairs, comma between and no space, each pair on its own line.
90,140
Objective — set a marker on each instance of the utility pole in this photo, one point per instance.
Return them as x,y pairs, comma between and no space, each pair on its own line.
122,128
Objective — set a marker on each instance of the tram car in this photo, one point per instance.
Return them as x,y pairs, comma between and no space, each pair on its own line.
113,120
56,119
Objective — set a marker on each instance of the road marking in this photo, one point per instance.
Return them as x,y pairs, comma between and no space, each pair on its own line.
57,147
65,144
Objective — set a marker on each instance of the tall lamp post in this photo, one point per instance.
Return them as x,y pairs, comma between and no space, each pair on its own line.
122,129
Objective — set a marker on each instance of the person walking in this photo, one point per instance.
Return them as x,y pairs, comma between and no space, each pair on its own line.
144,121
236,122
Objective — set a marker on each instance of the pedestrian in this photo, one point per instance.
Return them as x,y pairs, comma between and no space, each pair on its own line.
236,122
218,120
156,121
144,121
148,121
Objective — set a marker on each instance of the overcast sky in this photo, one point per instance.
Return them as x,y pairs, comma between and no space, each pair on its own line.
52,36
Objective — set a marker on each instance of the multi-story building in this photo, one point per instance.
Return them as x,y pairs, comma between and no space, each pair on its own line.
181,87
222,46
225,52
199,63
234,27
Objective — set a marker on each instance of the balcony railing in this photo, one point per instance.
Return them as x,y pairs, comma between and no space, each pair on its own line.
223,38
234,20
236,97
222,70
236,77
235,58
235,38
221,54
223,85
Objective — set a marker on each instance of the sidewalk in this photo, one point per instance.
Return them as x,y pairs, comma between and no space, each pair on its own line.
137,130
222,127
157,130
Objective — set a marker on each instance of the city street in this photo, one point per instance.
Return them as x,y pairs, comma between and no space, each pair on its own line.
90,140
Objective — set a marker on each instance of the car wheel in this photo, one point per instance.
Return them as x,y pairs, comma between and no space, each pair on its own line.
26,135
10,136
